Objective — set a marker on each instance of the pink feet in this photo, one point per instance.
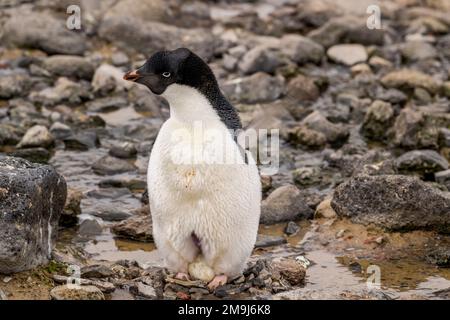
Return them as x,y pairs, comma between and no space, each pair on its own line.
182,276
218,281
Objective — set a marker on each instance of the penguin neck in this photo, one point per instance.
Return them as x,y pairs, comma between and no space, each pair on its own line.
188,105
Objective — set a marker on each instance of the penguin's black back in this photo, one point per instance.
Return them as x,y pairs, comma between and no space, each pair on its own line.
197,74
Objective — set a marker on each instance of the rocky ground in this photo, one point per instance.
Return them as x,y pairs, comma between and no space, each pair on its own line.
364,119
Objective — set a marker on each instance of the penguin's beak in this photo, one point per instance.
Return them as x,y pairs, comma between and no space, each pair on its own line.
132,75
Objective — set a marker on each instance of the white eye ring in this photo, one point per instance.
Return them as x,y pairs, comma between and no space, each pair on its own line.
166,74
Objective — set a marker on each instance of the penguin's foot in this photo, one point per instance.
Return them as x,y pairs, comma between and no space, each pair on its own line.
182,276
218,281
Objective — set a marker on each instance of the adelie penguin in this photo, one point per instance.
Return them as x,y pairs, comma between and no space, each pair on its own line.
204,196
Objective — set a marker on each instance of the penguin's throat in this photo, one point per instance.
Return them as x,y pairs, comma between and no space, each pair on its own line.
187,104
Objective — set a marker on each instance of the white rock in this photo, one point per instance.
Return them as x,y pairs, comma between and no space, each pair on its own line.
347,54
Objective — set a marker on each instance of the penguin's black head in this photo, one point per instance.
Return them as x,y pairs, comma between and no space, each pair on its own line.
180,66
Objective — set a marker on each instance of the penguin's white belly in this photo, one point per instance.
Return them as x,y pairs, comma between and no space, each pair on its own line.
196,190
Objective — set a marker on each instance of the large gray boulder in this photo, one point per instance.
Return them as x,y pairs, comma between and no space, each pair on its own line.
394,202
41,30
32,197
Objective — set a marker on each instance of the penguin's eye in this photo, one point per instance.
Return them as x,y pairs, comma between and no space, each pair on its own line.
166,74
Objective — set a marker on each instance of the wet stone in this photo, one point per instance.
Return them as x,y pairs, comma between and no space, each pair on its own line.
108,165
90,227
263,241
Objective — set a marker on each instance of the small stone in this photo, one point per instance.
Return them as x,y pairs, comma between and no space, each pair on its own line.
292,228
285,203
137,228
90,227
302,88
259,58
340,233
37,155
324,210
347,54
360,68
69,66
123,150
289,269
96,271
421,161
443,177
301,49
417,50
108,165
82,141
307,176
146,291
37,136
439,257
378,119
263,241
72,209
119,59
334,133
306,137
60,130
63,292
410,79
259,87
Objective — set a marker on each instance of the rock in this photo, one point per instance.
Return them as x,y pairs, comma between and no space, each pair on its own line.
393,202
346,29
82,141
421,161
90,227
291,228
307,176
64,91
109,78
108,165
301,49
347,54
360,68
285,203
131,184
446,89
29,219
37,136
144,35
379,63
146,291
259,87
288,269
264,241
9,134
137,228
378,119
106,104
119,59
443,177
60,130
38,155
324,210
334,133
14,85
304,136
407,129
259,58
69,66
96,271
439,257
72,209
410,79
417,50
302,89
110,213
123,150
42,31
63,292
